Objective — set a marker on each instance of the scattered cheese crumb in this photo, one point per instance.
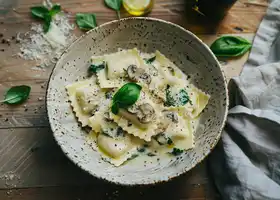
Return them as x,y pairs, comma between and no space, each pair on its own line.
46,48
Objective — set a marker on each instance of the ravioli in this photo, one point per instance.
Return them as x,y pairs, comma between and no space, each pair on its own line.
157,113
113,74
129,123
77,108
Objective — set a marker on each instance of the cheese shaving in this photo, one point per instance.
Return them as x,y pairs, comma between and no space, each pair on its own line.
45,49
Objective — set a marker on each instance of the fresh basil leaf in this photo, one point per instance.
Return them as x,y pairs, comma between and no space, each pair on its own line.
86,21
150,60
47,23
55,9
39,11
115,108
96,68
126,96
230,46
115,5
176,152
16,94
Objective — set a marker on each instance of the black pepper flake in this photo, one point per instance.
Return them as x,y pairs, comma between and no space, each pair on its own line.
13,37
3,41
2,49
1,35
26,109
6,119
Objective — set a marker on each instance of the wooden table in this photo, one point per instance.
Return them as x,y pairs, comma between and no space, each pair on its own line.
32,166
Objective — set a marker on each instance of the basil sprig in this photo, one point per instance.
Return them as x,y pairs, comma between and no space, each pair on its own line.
42,12
115,5
126,96
86,21
230,46
16,94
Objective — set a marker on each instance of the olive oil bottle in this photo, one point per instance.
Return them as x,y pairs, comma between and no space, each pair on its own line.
213,9
138,7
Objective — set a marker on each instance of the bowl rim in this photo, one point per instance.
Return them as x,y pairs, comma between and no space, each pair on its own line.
153,182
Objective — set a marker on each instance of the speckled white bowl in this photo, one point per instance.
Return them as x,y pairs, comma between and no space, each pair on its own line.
147,34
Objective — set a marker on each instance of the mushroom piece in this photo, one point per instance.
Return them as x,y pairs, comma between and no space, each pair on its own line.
146,113
138,74
171,116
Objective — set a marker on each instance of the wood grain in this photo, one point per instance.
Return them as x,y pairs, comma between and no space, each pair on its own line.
32,165
33,158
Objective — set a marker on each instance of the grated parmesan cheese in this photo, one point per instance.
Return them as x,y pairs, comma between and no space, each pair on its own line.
45,49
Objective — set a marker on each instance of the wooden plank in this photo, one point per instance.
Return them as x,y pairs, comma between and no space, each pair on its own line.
30,157
107,192
177,11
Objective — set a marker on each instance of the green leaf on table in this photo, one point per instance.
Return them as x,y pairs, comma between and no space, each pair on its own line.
126,96
230,46
115,5
55,9
16,94
86,21
47,23
39,11
43,13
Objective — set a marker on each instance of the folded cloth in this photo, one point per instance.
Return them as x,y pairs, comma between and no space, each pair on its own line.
245,165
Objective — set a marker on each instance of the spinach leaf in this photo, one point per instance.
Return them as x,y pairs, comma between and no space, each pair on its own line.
39,11
86,21
141,150
115,108
16,94
150,60
126,96
115,5
151,154
169,141
230,46
184,97
132,157
180,99
95,68
177,152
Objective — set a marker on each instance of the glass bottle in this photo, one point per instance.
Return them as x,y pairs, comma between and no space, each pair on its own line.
214,9
138,7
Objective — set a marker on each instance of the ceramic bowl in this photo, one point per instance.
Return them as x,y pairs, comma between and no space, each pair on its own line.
182,47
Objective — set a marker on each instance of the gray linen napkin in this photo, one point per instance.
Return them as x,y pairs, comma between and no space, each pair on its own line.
246,162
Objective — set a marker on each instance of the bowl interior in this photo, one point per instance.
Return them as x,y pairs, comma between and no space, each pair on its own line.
148,35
